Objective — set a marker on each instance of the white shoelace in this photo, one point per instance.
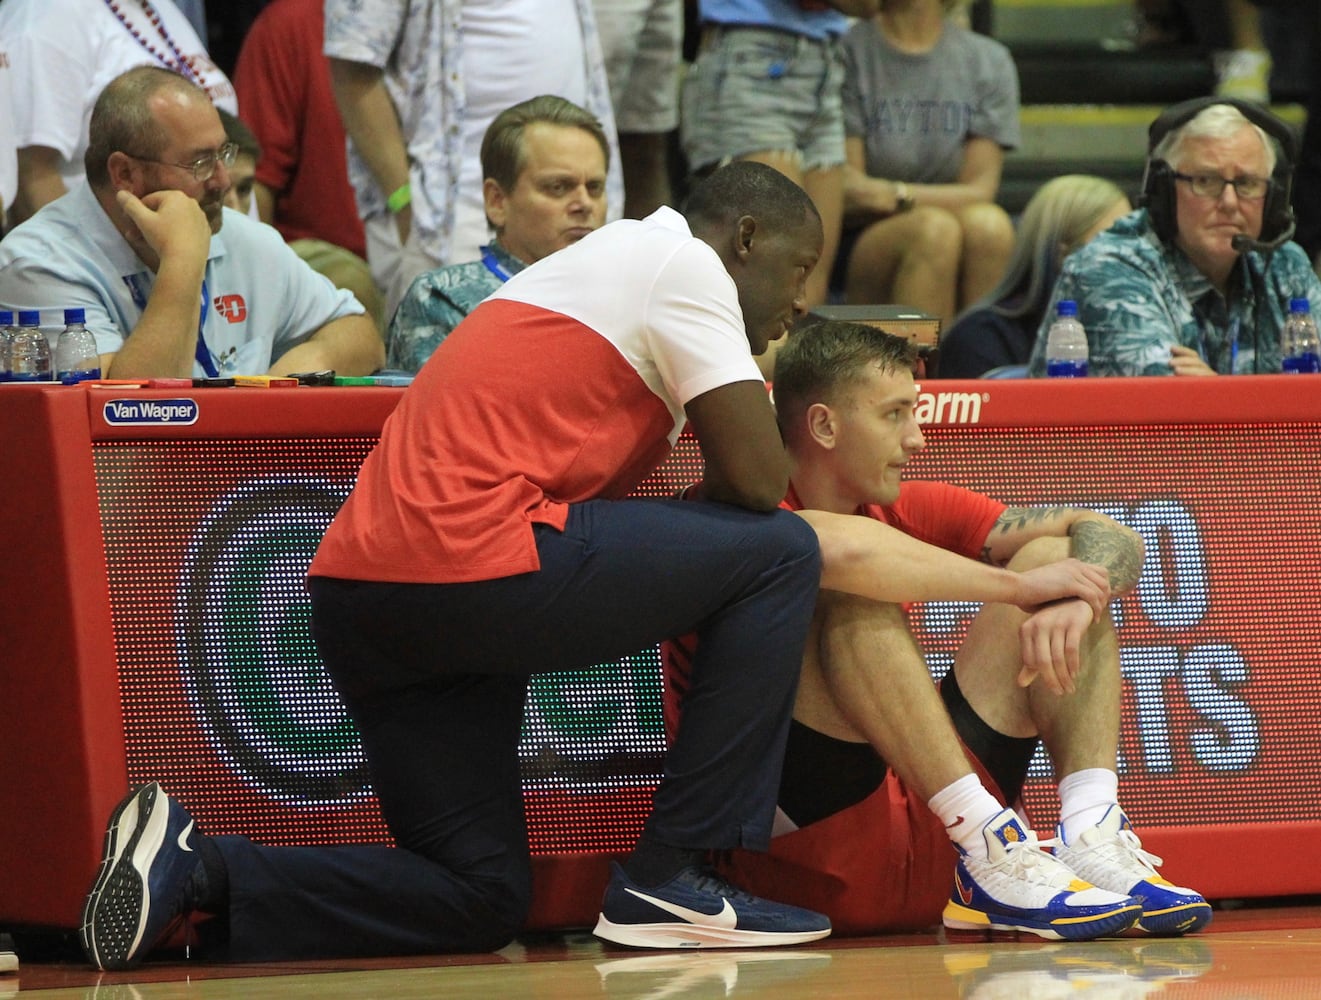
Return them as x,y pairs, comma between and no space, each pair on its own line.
1150,861
1028,859
1130,849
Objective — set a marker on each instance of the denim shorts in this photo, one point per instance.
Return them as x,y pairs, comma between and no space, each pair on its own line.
760,90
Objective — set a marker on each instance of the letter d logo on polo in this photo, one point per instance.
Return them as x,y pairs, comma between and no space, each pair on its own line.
232,307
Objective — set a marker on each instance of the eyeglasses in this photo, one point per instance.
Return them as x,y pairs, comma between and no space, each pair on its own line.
204,167
1213,185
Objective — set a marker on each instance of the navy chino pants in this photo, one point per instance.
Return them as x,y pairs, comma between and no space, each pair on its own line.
435,677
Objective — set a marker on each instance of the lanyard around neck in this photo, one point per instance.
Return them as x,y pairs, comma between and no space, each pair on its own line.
203,353
493,265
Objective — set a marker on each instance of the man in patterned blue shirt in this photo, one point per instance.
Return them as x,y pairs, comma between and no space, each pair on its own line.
1198,281
544,164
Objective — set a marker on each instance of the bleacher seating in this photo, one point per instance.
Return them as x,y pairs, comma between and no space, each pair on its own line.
1088,93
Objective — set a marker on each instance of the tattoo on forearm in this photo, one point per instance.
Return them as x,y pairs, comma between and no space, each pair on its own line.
1015,519
1101,542
1110,546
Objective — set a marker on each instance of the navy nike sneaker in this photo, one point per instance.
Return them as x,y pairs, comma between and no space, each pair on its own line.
698,909
150,877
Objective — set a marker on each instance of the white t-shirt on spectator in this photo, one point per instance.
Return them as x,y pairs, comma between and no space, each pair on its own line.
62,53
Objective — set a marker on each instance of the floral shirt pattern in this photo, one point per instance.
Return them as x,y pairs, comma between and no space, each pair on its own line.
1138,296
436,302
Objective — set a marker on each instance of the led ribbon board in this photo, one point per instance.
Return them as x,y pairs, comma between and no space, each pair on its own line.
225,700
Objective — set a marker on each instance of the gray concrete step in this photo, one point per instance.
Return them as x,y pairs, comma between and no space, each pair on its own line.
1068,21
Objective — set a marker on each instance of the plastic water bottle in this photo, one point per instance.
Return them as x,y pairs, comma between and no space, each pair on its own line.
76,357
1299,349
29,354
1066,343
6,338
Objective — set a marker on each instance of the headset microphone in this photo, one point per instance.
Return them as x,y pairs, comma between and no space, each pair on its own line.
1243,243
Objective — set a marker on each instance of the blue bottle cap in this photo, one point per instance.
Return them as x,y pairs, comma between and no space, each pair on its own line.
29,317
1066,307
1299,306
6,317
74,316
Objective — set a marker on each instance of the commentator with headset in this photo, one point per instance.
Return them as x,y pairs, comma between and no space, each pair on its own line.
1198,280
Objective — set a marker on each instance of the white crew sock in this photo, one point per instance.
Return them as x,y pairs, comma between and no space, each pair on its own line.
1084,798
965,807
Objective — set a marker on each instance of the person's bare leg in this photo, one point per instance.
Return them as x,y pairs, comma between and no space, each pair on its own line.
863,676
1244,69
864,680
825,186
826,189
910,259
1244,25
988,241
1080,730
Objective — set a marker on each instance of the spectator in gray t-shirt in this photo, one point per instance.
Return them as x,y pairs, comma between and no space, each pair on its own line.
930,109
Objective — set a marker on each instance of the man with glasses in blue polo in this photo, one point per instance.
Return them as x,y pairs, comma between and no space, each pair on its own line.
140,249
1199,280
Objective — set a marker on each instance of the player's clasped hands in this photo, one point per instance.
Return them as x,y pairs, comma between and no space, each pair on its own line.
1062,599
1066,578
1051,640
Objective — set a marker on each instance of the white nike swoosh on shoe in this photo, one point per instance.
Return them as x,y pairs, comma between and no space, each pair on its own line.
183,837
726,919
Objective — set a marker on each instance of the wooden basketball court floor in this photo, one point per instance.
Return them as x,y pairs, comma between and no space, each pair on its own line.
1248,953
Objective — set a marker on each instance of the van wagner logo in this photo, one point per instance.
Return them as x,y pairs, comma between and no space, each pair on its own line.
949,407
130,412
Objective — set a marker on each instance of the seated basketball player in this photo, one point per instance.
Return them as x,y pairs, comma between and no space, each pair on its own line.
884,771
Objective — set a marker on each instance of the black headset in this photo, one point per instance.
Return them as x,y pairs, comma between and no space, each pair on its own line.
1277,220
